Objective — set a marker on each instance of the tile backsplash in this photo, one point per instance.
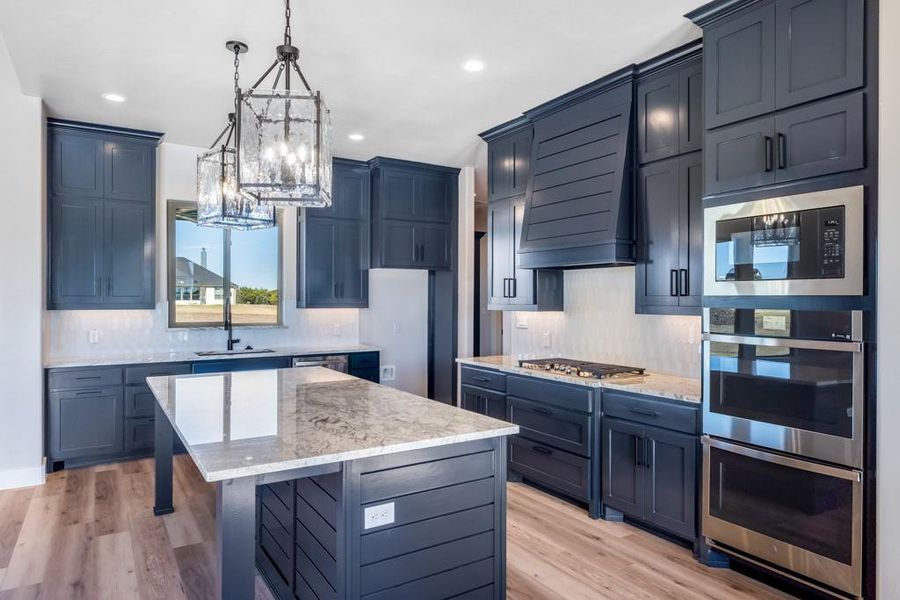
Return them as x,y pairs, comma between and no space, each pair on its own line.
599,324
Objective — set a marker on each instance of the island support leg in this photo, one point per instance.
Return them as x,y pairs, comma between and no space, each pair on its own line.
162,452
235,549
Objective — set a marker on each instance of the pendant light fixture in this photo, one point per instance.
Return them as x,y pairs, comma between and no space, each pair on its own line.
284,136
219,202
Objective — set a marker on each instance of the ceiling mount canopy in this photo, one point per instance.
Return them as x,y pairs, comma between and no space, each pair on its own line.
284,135
219,201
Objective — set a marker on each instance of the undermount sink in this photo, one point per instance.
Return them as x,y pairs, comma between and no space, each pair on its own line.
232,352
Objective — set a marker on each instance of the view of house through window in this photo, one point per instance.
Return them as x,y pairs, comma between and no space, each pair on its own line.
206,264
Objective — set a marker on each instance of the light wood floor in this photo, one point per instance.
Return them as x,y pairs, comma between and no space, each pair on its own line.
90,533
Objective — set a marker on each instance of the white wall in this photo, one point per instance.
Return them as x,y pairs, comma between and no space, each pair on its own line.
466,288
599,324
21,268
888,477
397,321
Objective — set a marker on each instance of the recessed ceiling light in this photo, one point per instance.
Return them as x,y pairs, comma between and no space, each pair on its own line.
114,97
356,137
473,65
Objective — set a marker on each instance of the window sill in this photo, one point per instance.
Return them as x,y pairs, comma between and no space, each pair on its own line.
221,328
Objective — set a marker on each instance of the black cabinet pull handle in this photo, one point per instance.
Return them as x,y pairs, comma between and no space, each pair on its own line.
648,454
91,393
644,411
482,379
109,286
505,281
542,411
768,153
542,450
782,150
683,283
86,377
638,445
99,285
342,289
336,294
515,287
673,282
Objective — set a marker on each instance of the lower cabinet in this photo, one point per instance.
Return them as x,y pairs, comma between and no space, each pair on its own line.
485,402
86,423
563,471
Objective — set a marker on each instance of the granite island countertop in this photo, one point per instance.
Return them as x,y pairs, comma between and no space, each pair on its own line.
685,389
256,422
177,356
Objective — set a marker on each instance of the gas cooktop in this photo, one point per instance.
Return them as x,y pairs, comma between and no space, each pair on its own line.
579,368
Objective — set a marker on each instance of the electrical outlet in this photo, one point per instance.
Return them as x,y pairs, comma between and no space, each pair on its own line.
396,327
93,336
545,339
336,329
376,516
388,373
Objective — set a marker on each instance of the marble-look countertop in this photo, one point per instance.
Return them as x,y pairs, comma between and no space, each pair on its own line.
685,389
257,422
136,358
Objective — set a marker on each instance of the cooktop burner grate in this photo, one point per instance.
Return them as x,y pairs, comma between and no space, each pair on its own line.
579,368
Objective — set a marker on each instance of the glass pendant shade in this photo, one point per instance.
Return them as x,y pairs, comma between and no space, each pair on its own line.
284,148
219,203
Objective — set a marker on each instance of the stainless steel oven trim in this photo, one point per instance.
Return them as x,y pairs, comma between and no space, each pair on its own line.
784,342
821,446
849,285
836,574
856,324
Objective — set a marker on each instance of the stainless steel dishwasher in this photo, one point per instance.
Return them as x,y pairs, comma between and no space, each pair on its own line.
336,362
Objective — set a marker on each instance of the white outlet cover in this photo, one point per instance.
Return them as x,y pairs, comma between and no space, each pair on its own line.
336,329
93,336
546,340
388,372
377,516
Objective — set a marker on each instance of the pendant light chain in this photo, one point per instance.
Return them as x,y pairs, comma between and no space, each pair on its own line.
287,22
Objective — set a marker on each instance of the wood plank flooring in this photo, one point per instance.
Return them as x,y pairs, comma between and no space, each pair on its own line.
90,533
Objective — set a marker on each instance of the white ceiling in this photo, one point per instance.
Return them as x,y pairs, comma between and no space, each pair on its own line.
390,69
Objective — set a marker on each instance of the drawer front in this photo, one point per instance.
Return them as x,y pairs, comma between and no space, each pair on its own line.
82,378
549,425
139,374
562,471
658,413
364,360
139,434
569,397
139,401
483,378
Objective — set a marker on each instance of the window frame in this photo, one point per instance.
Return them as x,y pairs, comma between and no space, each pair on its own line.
174,205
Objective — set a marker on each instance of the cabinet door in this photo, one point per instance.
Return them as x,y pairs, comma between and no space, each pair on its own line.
86,423
76,252
352,268
670,460
319,263
819,49
740,156
76,164
523,284
500,251
690,222
139,434
495,405
622,470
499,154
690,107
658,117
128,237
433,197
739,58
398,246
519,161
351,193
658,235
399,194
472,400
821,138
128,170
434,246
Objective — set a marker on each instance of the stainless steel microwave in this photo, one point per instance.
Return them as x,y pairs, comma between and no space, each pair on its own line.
799,245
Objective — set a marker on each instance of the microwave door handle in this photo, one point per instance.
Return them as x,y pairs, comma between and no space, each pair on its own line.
784,342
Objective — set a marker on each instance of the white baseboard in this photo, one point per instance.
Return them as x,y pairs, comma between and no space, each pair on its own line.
16,478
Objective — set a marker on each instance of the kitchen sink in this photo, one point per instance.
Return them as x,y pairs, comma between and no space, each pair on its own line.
233,352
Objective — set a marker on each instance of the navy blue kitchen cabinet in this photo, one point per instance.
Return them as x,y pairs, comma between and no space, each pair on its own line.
650,459
413,209
333,244
508,163
670,110
86,422
365,365
229,365
670,236
101,217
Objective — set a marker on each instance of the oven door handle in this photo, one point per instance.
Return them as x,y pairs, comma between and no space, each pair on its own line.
784,342
803,465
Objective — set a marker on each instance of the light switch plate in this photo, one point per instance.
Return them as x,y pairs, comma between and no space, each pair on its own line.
93,336
336,329
521,322
388,372
376,516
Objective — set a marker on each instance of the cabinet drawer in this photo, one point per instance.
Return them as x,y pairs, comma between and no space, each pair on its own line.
139,401
559,428
82,378
562,471
364,360
139,374
569,397
491,380
658,413
139,434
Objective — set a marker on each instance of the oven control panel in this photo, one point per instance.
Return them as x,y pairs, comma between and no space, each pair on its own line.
831,228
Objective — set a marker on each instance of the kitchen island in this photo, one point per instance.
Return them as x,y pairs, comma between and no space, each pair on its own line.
388,495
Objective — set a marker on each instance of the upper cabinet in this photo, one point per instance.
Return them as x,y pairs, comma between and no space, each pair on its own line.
670,112
508,159
101,212
413,214
333,244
